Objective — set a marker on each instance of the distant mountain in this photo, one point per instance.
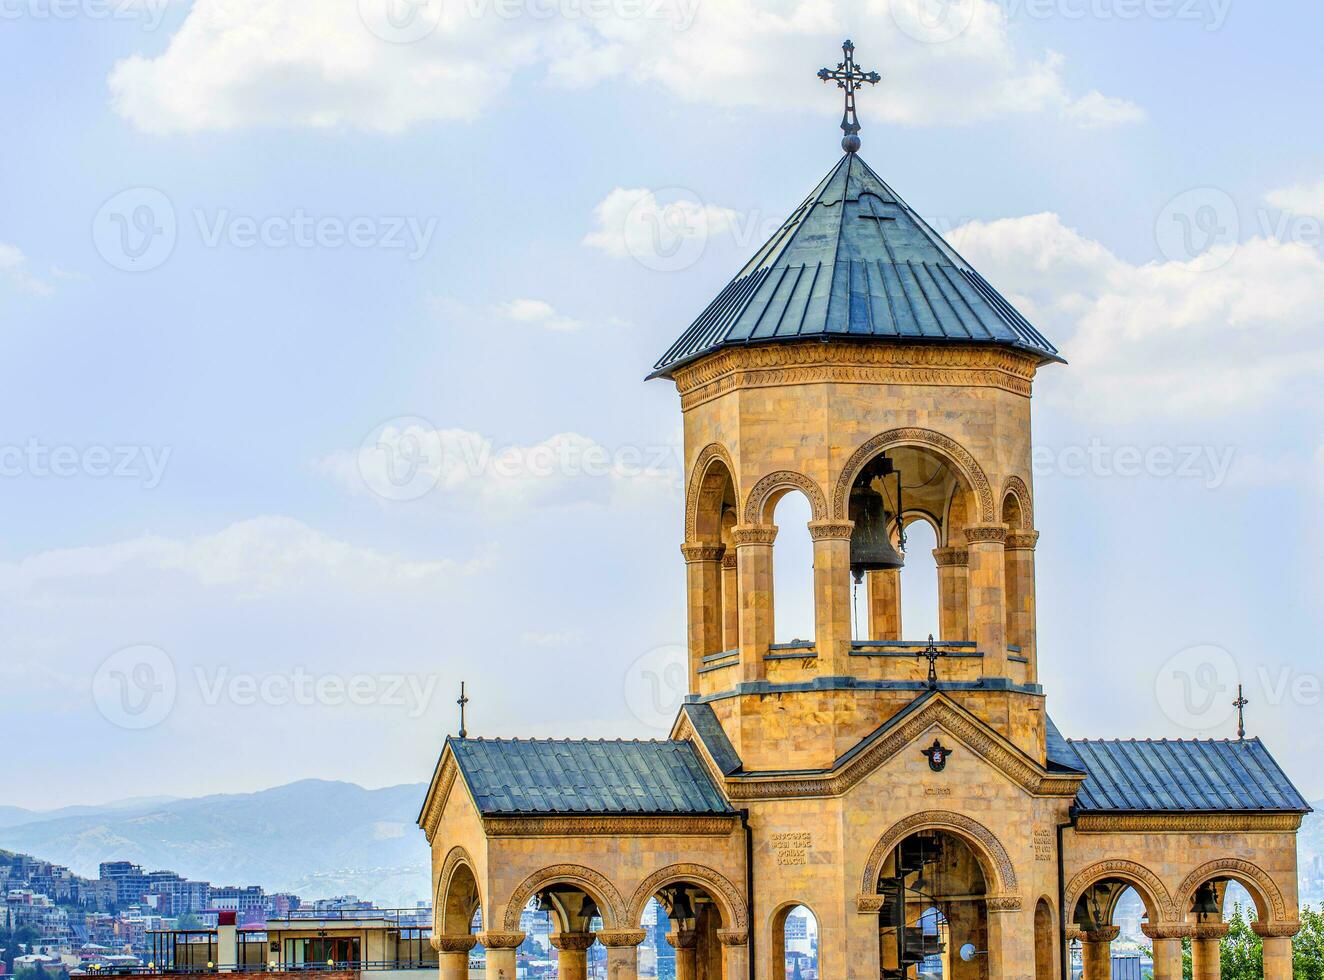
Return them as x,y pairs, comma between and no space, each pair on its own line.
12,816
315,838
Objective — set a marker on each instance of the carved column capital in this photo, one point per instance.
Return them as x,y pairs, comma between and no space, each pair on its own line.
831,530
500,940
1003,903
695,551
732,937
1022,540
682,939
572,941
1105,935
951,557
986,534
1275,930
454,944
621,937
1166,930
729,559
753,534
1210,930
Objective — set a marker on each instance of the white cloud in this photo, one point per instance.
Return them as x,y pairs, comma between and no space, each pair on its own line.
633,222
253,558
14,268
1163,338
311,63
537,313
566,469
1299,198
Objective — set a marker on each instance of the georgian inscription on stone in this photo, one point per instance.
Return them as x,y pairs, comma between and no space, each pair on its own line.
937,791
792,848
1043,845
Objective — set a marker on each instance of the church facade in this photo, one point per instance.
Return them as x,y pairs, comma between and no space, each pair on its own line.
913,794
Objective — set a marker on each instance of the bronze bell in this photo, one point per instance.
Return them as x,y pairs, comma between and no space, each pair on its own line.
871,548
1206,900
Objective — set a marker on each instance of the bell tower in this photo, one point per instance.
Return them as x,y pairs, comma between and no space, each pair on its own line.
858,360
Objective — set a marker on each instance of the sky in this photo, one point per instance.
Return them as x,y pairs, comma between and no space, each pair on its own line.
325,325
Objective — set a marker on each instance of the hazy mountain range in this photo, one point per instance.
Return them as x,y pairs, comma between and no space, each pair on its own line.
314,838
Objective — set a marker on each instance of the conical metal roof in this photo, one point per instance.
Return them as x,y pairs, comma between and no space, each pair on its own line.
855,262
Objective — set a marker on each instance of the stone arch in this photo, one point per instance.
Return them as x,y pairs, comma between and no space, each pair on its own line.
993,857
1158,902
776,935
593,884
1269,901
1015,487
948,448
730,902
769,489
447,904
713,453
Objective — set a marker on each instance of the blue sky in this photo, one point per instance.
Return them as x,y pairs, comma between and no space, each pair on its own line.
431,228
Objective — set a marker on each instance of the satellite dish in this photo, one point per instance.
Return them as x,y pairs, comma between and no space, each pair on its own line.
968,952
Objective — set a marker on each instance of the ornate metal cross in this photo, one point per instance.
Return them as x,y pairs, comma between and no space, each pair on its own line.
1240,704
849,77
933,655
462,702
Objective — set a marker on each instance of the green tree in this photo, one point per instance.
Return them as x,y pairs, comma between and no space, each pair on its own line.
1308,947
1242,952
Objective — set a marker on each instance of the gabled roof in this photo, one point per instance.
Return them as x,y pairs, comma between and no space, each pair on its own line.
855,262
1178,776
552,777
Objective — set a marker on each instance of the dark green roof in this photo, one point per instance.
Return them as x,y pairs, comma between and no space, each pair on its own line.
548,776
1176,775
855,262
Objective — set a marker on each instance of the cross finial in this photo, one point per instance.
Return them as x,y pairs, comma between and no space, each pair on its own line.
1240,704
462,702
849,78
933,655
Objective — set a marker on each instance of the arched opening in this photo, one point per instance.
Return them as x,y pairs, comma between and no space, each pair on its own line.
934,918
713,597
794,943
1045,942
793,570
909,505
560,923
1226,903
685,919
1108,935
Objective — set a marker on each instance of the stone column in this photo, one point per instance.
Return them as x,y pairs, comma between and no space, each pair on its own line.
622,952
1277,938
684,943
1206,955
987,595
735,953
571,954
499,948
1167,949
754,571
730,602
453,956
953,594
885,605
703,591
832,605
1020,596
1097,953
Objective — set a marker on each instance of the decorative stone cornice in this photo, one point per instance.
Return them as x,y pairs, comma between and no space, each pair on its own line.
700,551
500,940
748,534
571,940
733,937
1210,930
986,533
1187,822
846,362
454,944
621,937
1167,930
610,826
1021,540
1275,930
438,794
951,557
831,530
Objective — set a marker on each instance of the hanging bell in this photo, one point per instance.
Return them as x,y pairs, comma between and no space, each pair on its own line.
589,909
681,909
545,902
1085,919
871,548
1206,900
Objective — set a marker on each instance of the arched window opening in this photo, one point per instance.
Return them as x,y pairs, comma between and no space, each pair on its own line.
560,925
1045,942
919,581
682,921
794,944
793,571
712,593
1109,919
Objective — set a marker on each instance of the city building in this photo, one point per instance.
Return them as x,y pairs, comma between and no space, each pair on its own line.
913,794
